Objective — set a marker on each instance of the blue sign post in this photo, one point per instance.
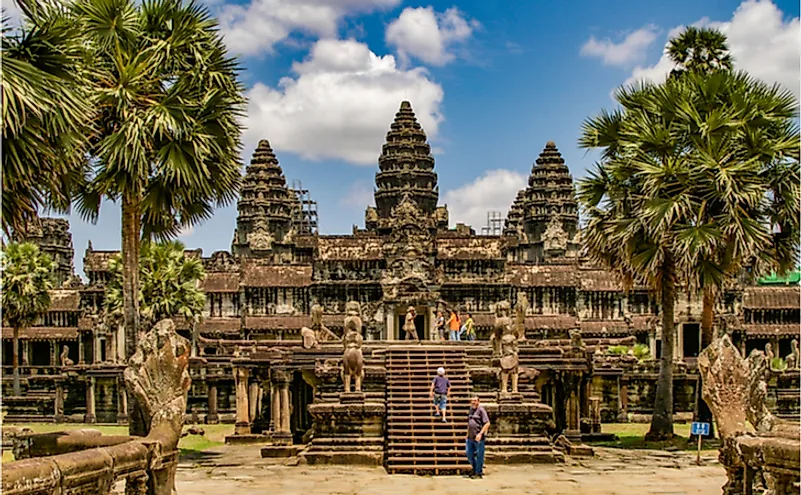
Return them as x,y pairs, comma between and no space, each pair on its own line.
701,430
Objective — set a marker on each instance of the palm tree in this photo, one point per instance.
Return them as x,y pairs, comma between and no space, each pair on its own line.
169,284
27,277
745,143
699,50
46,113
168,102
636,201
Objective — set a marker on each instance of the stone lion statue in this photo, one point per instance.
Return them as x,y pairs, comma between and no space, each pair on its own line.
352,358
65,357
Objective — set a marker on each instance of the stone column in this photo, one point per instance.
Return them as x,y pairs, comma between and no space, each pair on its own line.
242,426
95,348
282,434
89,417
652,342
431,323
678,343
275,408
253,400
391,322
53,354
58,408
81,359
211,417
25,353
122,402
573,431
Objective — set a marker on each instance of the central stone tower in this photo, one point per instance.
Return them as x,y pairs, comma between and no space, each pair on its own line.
406,167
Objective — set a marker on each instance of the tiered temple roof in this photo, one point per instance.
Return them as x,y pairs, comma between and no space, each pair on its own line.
265,204
406,166
514,218
550,190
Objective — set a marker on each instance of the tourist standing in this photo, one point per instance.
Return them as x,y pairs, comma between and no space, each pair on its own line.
478,424
470,328
440,390
441,325
453,326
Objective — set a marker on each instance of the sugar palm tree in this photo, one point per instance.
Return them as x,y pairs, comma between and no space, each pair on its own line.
168,139
46,112
636,201
699,49
27,277
169,284
745,147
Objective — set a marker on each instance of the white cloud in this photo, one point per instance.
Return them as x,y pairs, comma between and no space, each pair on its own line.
762,42
427,35
254,28
629,51
359,195
493,191
340,103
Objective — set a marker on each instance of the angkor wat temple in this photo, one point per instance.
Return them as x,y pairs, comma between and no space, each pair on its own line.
250,367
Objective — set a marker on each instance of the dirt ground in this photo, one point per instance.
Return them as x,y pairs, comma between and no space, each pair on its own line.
227,470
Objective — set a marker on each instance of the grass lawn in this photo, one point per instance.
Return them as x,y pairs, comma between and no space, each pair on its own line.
632,436
215,434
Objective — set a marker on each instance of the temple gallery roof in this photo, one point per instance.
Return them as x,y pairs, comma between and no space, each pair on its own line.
43,333
772,298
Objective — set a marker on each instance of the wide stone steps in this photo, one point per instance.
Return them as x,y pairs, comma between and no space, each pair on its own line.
417,442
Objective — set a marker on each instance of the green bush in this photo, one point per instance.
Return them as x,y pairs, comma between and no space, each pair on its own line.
778,364
642,352
618,350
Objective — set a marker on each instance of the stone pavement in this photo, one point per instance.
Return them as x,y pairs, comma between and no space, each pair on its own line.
240,470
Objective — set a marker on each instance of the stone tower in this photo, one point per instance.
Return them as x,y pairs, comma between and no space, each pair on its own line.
406,167
53,237
264,222
548,210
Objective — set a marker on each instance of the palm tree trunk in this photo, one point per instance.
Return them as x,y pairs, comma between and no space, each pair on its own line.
662,419
707,335
130,273
15,363
130,299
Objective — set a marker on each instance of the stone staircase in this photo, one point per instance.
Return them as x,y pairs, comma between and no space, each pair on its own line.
418,442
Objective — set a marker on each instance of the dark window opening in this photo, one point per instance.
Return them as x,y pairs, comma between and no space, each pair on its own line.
691,335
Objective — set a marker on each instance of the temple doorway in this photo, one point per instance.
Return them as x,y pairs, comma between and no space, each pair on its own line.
691,339
302,394
419,323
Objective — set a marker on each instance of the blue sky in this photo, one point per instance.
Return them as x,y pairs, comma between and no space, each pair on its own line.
491,83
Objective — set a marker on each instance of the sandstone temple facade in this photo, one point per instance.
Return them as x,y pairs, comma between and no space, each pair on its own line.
261,293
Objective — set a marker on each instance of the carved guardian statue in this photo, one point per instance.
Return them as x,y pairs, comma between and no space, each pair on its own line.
792,359
502,326
322,333
510,363
352,358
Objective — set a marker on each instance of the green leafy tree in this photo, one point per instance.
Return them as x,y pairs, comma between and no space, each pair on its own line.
168,140
46,113
699,50
636,202
169,284
27,277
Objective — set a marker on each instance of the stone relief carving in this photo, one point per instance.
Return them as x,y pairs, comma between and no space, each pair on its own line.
521,308
555,238
503,326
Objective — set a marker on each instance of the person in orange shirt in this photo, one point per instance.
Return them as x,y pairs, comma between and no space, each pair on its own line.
453,326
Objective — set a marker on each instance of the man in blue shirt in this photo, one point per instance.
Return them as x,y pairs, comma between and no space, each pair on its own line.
478,424
440,389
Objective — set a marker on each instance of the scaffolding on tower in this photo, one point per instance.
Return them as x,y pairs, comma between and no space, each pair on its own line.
494,224
304,212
